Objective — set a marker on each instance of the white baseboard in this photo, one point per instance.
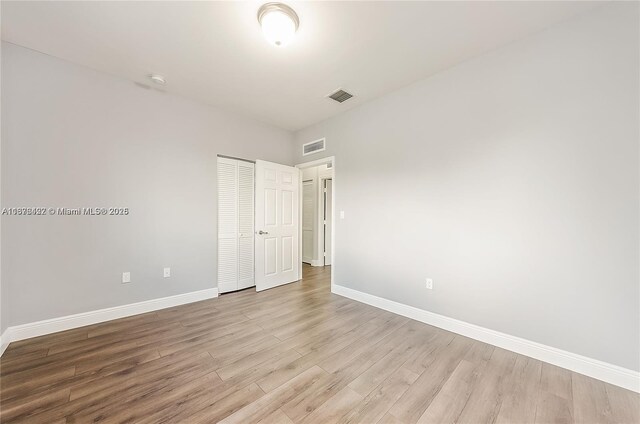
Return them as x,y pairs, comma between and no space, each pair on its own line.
54,325
4,341
600,370
317,262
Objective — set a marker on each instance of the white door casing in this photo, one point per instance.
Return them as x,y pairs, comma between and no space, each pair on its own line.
328,219
276,224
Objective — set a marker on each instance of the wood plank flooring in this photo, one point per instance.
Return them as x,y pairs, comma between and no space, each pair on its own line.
293,354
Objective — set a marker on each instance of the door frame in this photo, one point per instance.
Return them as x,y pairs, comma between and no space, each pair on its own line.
311,164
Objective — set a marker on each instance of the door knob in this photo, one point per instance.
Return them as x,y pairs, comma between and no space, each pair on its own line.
262,232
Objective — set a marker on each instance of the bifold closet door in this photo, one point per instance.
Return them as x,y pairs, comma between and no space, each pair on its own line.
235,224
246,192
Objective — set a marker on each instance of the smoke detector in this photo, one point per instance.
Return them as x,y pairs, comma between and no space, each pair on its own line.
158,79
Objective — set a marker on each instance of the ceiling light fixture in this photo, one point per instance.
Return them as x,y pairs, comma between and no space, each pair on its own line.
279,23
158,79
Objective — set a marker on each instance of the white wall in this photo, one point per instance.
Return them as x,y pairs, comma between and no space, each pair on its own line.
511,180
73,137
4,309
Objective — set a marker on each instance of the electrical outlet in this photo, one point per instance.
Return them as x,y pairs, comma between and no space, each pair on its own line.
167,272
429,283
126,277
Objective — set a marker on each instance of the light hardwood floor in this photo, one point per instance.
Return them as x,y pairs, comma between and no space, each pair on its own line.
293,354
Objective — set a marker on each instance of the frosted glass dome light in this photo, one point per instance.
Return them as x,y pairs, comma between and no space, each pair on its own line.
279,23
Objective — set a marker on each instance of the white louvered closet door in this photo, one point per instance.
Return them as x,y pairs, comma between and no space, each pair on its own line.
235,224
245,224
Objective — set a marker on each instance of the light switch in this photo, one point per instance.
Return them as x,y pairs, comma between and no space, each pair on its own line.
126,277
341,214
167,272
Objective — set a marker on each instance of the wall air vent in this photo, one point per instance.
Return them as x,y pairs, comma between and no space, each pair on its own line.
340,96
313,147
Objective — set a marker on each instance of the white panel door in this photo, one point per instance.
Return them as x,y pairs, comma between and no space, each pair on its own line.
276,224
308,196
227,225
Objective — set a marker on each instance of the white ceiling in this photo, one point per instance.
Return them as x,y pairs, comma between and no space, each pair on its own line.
214,51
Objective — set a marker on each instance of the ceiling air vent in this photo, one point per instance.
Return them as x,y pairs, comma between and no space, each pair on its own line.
313,147
340,96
